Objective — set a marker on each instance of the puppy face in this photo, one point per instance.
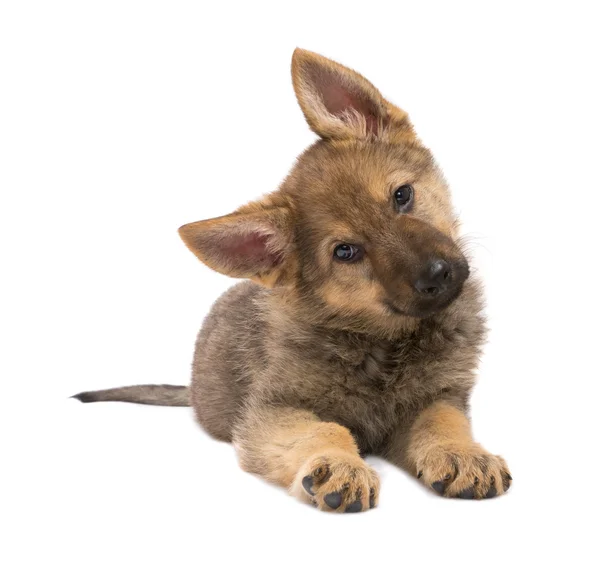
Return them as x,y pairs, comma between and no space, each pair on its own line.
374,231
362,230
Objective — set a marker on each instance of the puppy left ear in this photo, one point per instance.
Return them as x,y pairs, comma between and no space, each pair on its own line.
253,243
339,103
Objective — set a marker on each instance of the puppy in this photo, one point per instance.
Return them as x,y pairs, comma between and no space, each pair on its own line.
359,329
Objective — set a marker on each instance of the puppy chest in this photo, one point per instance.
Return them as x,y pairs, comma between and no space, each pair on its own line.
372,391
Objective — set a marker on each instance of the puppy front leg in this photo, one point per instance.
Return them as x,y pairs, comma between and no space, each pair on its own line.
439,449
317,461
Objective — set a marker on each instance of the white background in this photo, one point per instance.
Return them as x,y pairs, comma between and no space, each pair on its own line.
120,121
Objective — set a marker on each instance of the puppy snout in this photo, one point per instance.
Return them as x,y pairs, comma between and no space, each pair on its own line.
435,278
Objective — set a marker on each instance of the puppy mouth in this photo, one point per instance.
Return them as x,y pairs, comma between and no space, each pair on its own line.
424,308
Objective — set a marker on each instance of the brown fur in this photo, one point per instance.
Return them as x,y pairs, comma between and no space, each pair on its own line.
316,363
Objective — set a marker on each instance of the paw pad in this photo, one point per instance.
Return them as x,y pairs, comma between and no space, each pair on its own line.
468,493
333,500
354,507
307,483
439,486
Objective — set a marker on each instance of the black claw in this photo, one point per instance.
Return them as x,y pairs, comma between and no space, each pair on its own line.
354,507
491,492
439,486
468,493
307,482
333,500
372,498
420,474
509,477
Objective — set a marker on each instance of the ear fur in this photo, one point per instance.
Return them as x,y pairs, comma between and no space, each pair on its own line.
339,103
250,244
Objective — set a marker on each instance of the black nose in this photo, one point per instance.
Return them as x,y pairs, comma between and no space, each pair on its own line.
435,278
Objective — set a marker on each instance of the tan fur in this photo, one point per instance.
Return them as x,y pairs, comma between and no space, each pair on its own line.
315,362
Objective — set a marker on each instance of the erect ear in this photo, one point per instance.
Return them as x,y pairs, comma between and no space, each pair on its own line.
339,103
250,244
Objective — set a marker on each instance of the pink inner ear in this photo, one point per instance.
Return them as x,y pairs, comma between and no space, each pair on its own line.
250,248
338,98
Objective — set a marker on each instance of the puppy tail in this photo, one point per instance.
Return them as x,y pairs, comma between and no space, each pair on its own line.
153,394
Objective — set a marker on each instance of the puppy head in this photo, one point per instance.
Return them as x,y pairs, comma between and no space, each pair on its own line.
362,230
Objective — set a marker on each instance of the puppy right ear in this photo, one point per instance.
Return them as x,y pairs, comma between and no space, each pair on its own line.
339,103
253,244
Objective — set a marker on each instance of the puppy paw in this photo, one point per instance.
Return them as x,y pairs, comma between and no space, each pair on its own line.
337,481
464,472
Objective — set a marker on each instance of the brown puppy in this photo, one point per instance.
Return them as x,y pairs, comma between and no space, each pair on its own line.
359,330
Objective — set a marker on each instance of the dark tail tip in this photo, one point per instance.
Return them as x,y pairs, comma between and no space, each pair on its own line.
84,397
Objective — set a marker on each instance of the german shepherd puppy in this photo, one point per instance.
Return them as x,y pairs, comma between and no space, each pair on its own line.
359,330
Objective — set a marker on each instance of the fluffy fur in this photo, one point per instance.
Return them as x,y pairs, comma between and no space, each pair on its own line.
314,363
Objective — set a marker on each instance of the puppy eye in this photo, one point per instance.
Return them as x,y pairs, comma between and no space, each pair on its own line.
403,195
347,253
